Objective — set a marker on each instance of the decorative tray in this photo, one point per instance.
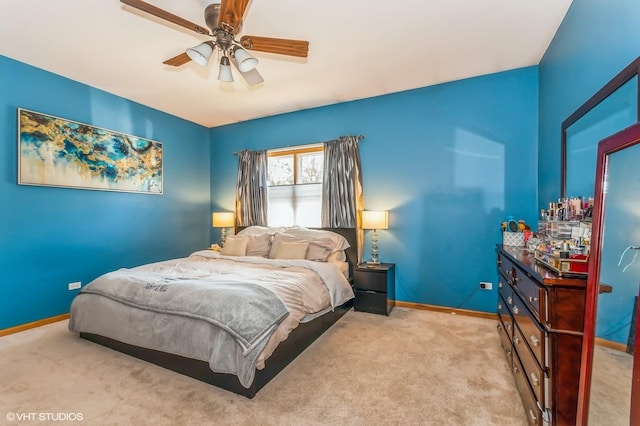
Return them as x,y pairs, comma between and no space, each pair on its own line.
576,265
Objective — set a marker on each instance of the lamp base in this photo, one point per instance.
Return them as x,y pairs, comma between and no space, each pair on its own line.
223,236
373,264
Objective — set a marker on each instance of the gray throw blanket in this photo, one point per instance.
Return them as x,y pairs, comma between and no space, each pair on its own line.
248,312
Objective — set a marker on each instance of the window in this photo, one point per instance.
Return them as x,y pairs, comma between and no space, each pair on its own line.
295,186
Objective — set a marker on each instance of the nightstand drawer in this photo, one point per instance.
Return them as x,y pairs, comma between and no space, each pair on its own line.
370,301
370,280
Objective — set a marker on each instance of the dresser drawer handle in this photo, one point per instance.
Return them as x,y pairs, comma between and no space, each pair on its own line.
516,310
499,284
499,306
510,300
533,299
507,351
515,369
532,417
516,340
535,341
534,379
499,327
508,327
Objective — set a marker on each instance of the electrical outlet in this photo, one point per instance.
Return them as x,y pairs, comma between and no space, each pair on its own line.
74,286
486,285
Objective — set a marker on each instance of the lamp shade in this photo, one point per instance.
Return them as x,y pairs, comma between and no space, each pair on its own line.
225,70
375,219
246,62
201,53
223,219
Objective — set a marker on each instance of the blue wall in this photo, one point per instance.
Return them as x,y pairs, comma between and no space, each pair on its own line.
50,237
449,162
596,40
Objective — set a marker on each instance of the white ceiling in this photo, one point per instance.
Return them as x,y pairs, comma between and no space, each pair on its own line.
357,49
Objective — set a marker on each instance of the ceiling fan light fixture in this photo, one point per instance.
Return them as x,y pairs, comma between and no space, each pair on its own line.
246,62
225,70
201,53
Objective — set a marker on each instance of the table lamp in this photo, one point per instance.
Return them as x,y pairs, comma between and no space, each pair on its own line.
223,220
374,220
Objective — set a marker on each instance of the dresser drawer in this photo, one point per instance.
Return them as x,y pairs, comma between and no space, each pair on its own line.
505,266
532,369
370,280
533,335
529,401
504,289
503,309
533,294
505,338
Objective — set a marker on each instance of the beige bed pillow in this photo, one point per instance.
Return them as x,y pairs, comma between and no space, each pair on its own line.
278,238
258,245
234,246
339,242
291,250
319,249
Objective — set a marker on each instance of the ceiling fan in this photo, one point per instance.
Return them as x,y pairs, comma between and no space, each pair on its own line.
224,19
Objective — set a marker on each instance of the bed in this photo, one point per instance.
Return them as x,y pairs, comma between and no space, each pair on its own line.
141,311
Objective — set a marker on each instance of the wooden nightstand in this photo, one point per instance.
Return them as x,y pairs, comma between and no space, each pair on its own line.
375,288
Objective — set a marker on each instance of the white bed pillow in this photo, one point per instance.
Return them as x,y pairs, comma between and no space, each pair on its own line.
291,250
339,255
260,230
278,238
258,245
234,246
320,249
340,242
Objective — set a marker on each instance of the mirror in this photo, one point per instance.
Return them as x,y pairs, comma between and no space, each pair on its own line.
610,342
612,108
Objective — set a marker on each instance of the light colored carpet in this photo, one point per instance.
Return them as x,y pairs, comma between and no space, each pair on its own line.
610,399
411,368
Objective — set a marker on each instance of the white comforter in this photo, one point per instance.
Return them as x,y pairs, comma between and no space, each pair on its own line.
304,295
305,287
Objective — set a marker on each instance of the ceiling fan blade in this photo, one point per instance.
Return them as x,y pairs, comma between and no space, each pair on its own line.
178,60
252,77
232,14
163,14
281,46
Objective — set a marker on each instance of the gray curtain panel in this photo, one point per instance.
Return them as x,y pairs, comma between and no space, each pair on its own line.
251,188
342,194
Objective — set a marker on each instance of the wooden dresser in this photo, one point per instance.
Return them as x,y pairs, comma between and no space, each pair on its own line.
540,319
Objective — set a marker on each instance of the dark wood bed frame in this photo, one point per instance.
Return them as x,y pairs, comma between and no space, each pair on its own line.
299,339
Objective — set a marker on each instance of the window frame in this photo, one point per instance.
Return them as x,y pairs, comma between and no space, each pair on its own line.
295,202
295,152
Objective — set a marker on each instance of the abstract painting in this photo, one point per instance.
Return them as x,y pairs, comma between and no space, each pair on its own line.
56,152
